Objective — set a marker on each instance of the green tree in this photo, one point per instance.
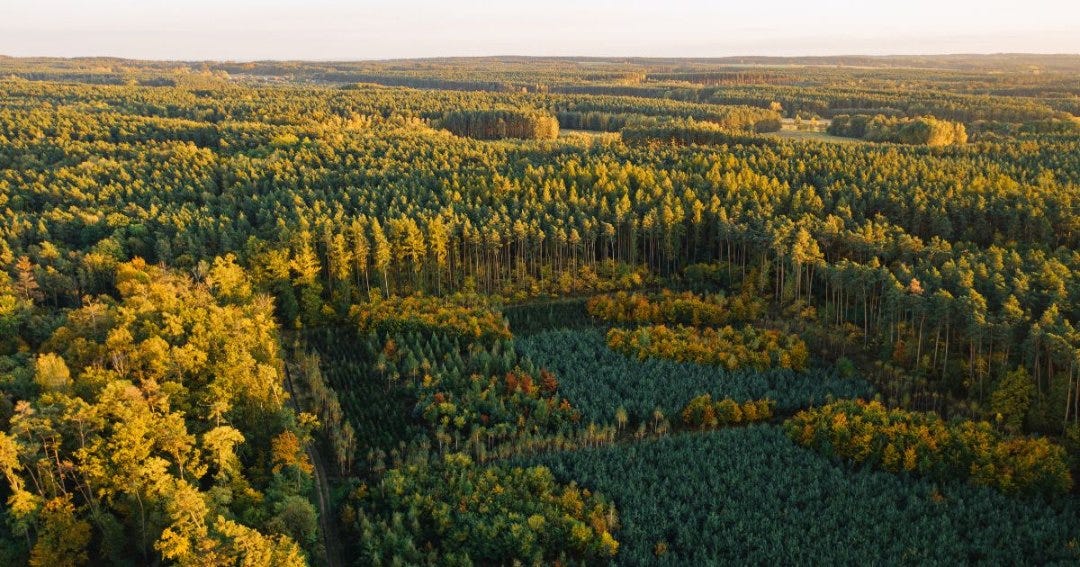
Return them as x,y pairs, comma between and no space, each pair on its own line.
1011,400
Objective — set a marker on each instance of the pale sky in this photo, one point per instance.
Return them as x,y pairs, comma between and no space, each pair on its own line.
379,29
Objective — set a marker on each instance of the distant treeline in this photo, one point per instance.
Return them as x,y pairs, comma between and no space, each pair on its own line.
415,82
611,114
497,124
683,132
924,130
716,78
832,101
844,99
595,120
644,91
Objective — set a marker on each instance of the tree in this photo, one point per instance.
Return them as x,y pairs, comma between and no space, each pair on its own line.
700,412
297,519
62,538
25,283
228,280
382,253
361,251
249,548
620,417
339,262
286,452
304,262
51,373
438,242
1011,400
220,443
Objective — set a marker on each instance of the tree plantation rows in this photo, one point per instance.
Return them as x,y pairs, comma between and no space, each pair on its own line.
540,311
598,380
453,513
380,426
748,494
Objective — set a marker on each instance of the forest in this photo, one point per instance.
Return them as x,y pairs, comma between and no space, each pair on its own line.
924,130
576,311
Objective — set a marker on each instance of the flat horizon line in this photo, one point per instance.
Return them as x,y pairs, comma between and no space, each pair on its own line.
702,58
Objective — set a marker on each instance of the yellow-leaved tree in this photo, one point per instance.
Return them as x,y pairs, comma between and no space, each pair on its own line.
129,454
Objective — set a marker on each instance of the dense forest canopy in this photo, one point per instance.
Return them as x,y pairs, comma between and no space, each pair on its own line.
499,124
430,312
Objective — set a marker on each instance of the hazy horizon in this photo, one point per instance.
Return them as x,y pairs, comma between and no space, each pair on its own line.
333,30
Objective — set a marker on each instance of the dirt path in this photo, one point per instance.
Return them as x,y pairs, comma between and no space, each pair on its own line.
327,526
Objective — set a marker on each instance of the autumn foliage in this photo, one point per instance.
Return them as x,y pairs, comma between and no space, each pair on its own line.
703,413
728,347
923,130
166,434
923,443
684,308
459,316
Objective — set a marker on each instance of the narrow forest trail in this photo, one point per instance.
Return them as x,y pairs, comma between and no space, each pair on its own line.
327,527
